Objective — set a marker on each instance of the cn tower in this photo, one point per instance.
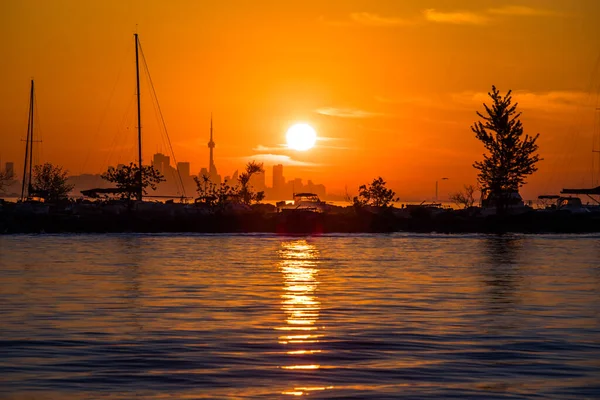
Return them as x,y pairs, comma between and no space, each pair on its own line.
212,169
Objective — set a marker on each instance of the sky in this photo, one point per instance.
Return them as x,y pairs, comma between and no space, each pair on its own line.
391,87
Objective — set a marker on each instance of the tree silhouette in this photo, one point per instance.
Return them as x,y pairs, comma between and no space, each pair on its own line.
5,180
205,188
511,157
219,196
50,182
127,178
376,194
212,195
244,190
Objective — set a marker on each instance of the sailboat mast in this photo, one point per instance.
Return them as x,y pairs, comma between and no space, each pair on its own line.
597,151
139,117
28,146
31,107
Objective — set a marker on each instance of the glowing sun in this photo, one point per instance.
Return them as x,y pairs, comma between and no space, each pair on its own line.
301,137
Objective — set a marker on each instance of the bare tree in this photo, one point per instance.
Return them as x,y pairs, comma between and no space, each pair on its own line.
347,196
464,198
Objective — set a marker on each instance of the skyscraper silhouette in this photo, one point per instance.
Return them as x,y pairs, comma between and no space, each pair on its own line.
278,182
278,179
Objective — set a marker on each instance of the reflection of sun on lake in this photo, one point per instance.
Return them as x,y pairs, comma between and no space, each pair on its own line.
298,301
300,334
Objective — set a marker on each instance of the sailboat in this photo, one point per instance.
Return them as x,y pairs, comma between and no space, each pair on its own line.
26,187
139,191
27,203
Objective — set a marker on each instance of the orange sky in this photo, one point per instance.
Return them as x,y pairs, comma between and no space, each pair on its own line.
391,86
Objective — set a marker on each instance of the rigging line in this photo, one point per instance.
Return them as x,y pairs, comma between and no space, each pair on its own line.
574,130
164,145
39,148
119,132
162,135
161,117
175,174
105,112
591,87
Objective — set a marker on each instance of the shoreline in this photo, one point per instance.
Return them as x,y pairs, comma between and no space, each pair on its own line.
347,220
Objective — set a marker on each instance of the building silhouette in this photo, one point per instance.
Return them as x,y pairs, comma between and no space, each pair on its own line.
174,177
258,182
161,163
232,180
282,190
184,169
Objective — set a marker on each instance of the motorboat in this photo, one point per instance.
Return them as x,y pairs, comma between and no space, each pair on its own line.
303,202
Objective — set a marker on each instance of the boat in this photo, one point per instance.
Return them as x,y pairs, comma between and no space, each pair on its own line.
569,204
304,215
514,204
303,202
589,192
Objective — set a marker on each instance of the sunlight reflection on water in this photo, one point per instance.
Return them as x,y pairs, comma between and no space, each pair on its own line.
298,264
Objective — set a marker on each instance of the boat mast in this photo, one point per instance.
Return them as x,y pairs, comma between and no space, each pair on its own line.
28,149
597,127
139,117
31,108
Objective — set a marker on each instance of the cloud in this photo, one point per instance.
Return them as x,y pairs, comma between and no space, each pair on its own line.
551,101
407,100
458,17
369,19
261,148
329,139
278,159
347,112
121,148
455,17
521,11
336,23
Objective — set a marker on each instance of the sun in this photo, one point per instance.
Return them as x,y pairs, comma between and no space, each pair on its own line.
301,137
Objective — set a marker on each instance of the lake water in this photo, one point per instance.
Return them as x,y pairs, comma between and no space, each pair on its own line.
365,317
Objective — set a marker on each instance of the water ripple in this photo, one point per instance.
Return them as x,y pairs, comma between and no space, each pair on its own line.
338,316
